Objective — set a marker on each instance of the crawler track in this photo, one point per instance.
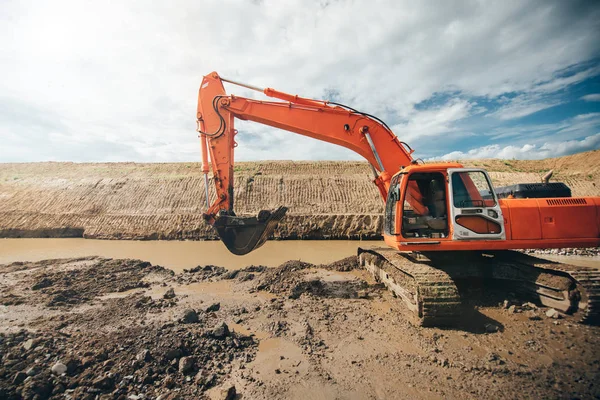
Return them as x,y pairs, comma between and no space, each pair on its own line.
427,291
581,296
426,282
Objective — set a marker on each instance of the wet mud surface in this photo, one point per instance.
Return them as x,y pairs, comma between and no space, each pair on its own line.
96,328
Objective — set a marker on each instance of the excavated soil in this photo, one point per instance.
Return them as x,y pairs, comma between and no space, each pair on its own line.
126,329
327,200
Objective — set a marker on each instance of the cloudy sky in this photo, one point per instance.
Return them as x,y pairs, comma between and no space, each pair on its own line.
118,80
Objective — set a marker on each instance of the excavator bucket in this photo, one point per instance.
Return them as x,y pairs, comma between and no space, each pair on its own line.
241,235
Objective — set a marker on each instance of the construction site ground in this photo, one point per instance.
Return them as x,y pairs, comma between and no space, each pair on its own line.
95,328
179,324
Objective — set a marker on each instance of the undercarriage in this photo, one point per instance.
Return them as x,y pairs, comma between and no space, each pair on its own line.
429,283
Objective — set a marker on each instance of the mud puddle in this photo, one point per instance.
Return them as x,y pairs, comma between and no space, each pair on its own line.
179,255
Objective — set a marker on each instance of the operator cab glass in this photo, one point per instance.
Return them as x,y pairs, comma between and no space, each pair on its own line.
389,225
425,213
472,189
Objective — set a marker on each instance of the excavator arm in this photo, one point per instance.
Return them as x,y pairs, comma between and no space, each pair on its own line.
322,120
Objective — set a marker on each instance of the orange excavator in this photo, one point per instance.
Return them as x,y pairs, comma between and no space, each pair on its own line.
444,224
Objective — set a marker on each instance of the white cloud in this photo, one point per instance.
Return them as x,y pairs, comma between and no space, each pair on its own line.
433,121
124,75
591,97
528,151
521,106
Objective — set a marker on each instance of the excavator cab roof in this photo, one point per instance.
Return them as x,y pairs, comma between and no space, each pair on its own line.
430,167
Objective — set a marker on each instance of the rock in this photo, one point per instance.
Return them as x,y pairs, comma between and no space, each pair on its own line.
529,306
169,381
231,274
102,356
202,378
186,364
43,283
228,393
32,371
172,354
143,355
220,331
199,378
59,368
491,328
189,316
104,382
362,294
72,364
19,378
169,294
28,344
533,315
552,313
36,389
213,307
512,309
87,361
506,304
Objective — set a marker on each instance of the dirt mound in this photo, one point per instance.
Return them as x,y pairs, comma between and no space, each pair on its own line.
343,265
184,359
65,283
295,278
200,274
327,200
284,278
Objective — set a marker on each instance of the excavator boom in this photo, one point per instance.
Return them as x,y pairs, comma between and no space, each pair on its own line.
329,122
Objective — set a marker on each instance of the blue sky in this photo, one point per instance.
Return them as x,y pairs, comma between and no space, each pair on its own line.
117,81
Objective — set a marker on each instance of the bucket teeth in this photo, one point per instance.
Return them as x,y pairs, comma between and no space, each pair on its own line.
241,235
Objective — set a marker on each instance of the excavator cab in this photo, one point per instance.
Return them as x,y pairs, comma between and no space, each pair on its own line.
452,204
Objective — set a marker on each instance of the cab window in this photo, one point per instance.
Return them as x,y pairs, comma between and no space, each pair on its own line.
472,189
390,206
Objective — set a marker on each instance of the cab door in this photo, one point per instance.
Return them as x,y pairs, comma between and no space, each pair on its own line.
476,214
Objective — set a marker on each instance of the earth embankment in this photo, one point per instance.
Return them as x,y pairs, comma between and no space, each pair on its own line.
327,200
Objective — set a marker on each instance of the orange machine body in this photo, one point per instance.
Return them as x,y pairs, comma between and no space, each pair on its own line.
526,223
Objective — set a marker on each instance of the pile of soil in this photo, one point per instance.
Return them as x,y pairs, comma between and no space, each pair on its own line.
183,359
326,199
200,274
65,283
343,265
290,279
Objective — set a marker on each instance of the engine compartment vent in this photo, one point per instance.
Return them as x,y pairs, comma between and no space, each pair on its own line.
564,202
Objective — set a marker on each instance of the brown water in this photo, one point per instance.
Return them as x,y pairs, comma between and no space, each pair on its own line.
178,255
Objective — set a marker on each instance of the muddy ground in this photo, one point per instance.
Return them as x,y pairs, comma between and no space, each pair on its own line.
94,328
